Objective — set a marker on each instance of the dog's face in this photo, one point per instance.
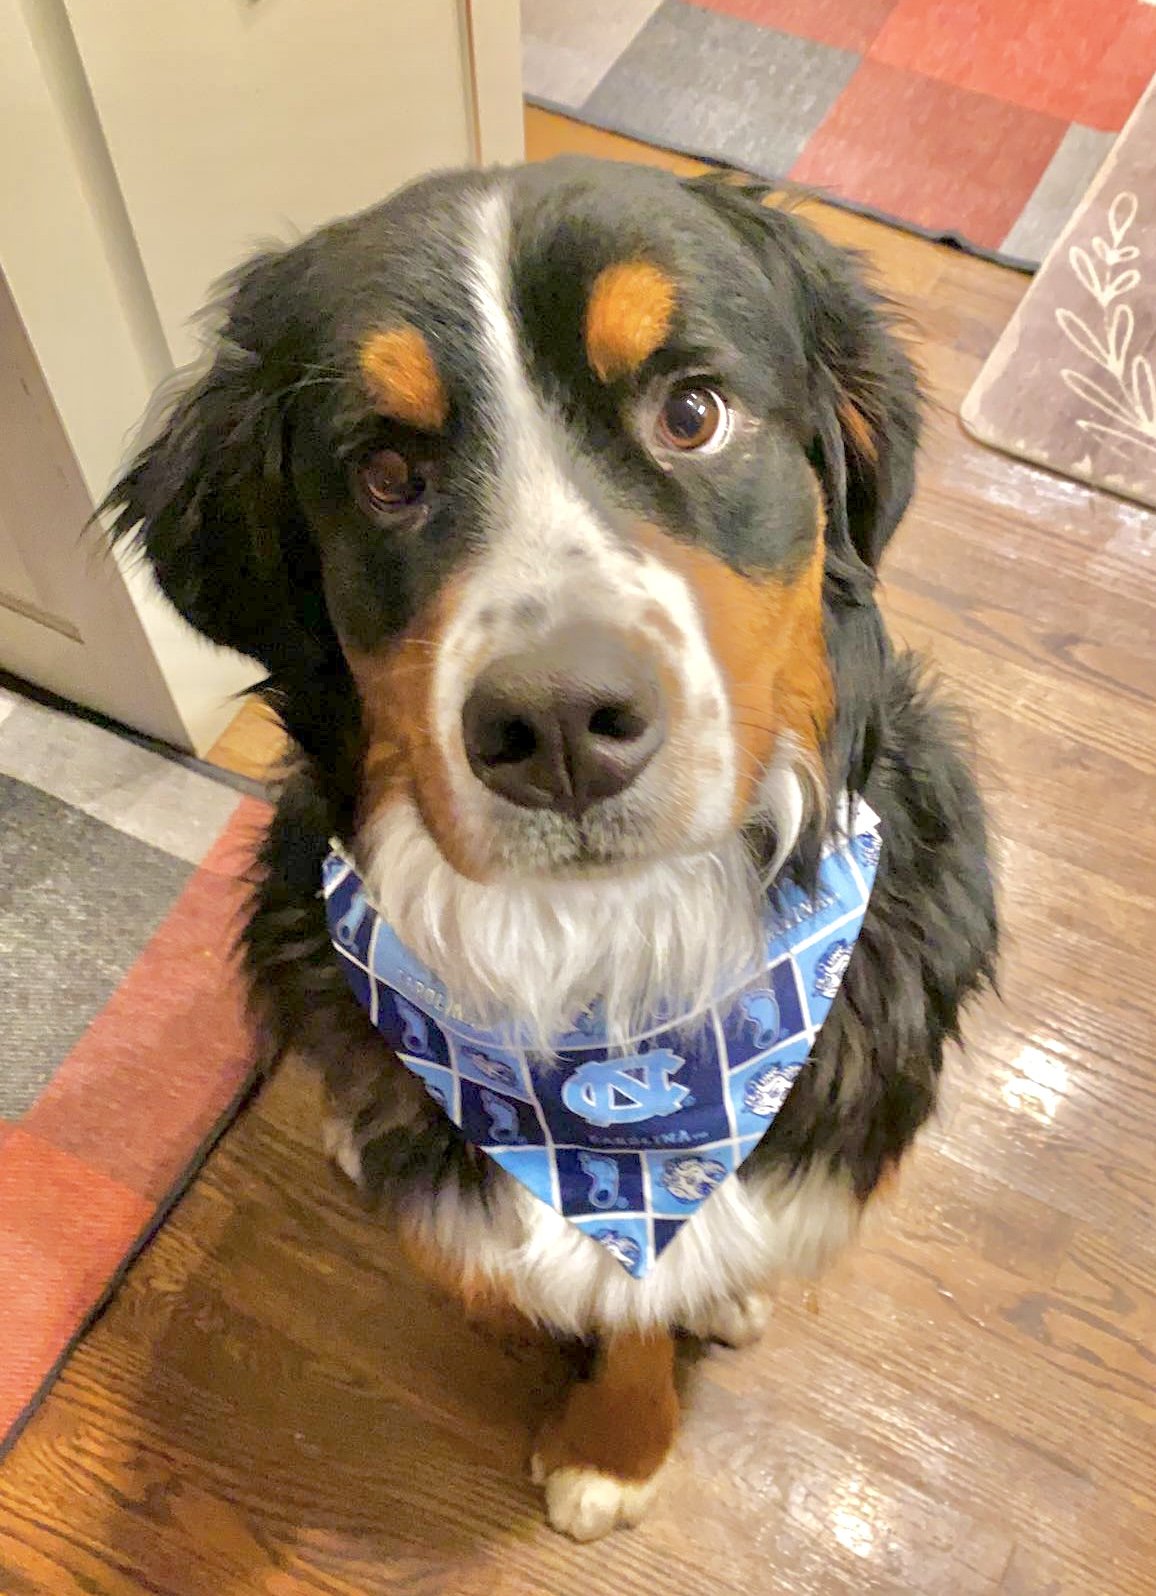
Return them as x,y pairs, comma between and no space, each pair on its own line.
570,536
557,459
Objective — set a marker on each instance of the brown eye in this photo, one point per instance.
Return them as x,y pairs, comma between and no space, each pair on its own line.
391,482
692,417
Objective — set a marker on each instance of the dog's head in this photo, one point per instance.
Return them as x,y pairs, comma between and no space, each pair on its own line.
542,475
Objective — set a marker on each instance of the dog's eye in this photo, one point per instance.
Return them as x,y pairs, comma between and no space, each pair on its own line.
693,418
392,483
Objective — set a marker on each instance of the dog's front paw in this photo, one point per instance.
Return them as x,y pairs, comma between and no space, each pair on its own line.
601,1457
738,1322
586,1504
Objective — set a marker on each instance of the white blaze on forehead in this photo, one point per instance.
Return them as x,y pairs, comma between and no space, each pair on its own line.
536,518
533,499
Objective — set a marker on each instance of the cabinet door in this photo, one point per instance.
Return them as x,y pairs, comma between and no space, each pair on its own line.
232,122
67,621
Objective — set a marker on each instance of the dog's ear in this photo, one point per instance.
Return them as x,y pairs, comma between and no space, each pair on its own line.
209,500
864,391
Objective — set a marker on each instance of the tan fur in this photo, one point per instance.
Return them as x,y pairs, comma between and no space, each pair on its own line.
402,756
628,317
767,636
403,380
623,1421
483,1299
857,429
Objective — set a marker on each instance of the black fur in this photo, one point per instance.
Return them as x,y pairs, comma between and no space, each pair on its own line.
245,515
928,943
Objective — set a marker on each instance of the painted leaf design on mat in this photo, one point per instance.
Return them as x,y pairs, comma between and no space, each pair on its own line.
1089,389
1144,391
1080,334
1122,214
1120,285
1120,330
1130,402
1085,270
1114,435
1113,257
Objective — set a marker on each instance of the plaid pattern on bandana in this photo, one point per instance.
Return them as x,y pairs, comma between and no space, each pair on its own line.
625,1141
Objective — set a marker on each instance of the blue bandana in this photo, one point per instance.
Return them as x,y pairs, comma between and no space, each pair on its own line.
625,1141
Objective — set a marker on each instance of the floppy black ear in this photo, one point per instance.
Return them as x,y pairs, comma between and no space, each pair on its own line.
209,499
864,390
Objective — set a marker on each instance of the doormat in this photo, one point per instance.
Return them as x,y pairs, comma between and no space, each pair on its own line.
124,1054
1071,384
980,124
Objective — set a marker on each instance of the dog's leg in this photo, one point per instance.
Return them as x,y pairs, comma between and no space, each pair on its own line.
366,1093
340,1144
601,1457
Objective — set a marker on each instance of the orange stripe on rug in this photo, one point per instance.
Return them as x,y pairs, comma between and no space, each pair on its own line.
65,1228
123,1124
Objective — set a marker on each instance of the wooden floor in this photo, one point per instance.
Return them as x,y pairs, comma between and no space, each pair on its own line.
273,1405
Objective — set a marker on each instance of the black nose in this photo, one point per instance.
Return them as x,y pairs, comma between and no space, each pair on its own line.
560,726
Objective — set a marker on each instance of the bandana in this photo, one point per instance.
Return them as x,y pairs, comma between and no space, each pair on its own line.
626,1141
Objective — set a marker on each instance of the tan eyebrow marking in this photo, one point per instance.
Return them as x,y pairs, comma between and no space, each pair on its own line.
403,380
857,427
628,317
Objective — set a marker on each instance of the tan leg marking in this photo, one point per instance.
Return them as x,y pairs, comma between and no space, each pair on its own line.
601,1456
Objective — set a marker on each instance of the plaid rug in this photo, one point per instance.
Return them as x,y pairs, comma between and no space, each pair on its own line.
123,1053
981,122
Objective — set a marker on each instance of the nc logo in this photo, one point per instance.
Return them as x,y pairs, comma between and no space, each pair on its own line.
761,1013
623,1091
603,1176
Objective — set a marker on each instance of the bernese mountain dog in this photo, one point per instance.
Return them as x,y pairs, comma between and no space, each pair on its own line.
551,500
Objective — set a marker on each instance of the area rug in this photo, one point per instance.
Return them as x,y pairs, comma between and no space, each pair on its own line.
1071,383
981,122
123,1047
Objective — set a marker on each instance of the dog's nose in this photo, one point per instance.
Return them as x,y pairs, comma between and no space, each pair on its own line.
561,725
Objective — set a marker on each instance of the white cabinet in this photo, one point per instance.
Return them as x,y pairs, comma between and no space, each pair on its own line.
145,149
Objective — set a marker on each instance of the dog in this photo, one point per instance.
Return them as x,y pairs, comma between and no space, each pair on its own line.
551,500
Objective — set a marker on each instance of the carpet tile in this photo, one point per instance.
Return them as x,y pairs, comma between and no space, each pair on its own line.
741,93
989,155
847,24
1057,57
980,122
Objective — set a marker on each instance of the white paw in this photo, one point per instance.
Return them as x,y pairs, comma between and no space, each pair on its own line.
337,1139
586,1504
736,1323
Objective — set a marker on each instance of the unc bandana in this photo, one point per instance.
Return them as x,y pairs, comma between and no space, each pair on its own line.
625,1141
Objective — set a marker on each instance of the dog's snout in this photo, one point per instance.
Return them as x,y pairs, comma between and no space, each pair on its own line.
560,726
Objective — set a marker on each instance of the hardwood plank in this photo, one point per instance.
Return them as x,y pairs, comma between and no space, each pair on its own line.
253,744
